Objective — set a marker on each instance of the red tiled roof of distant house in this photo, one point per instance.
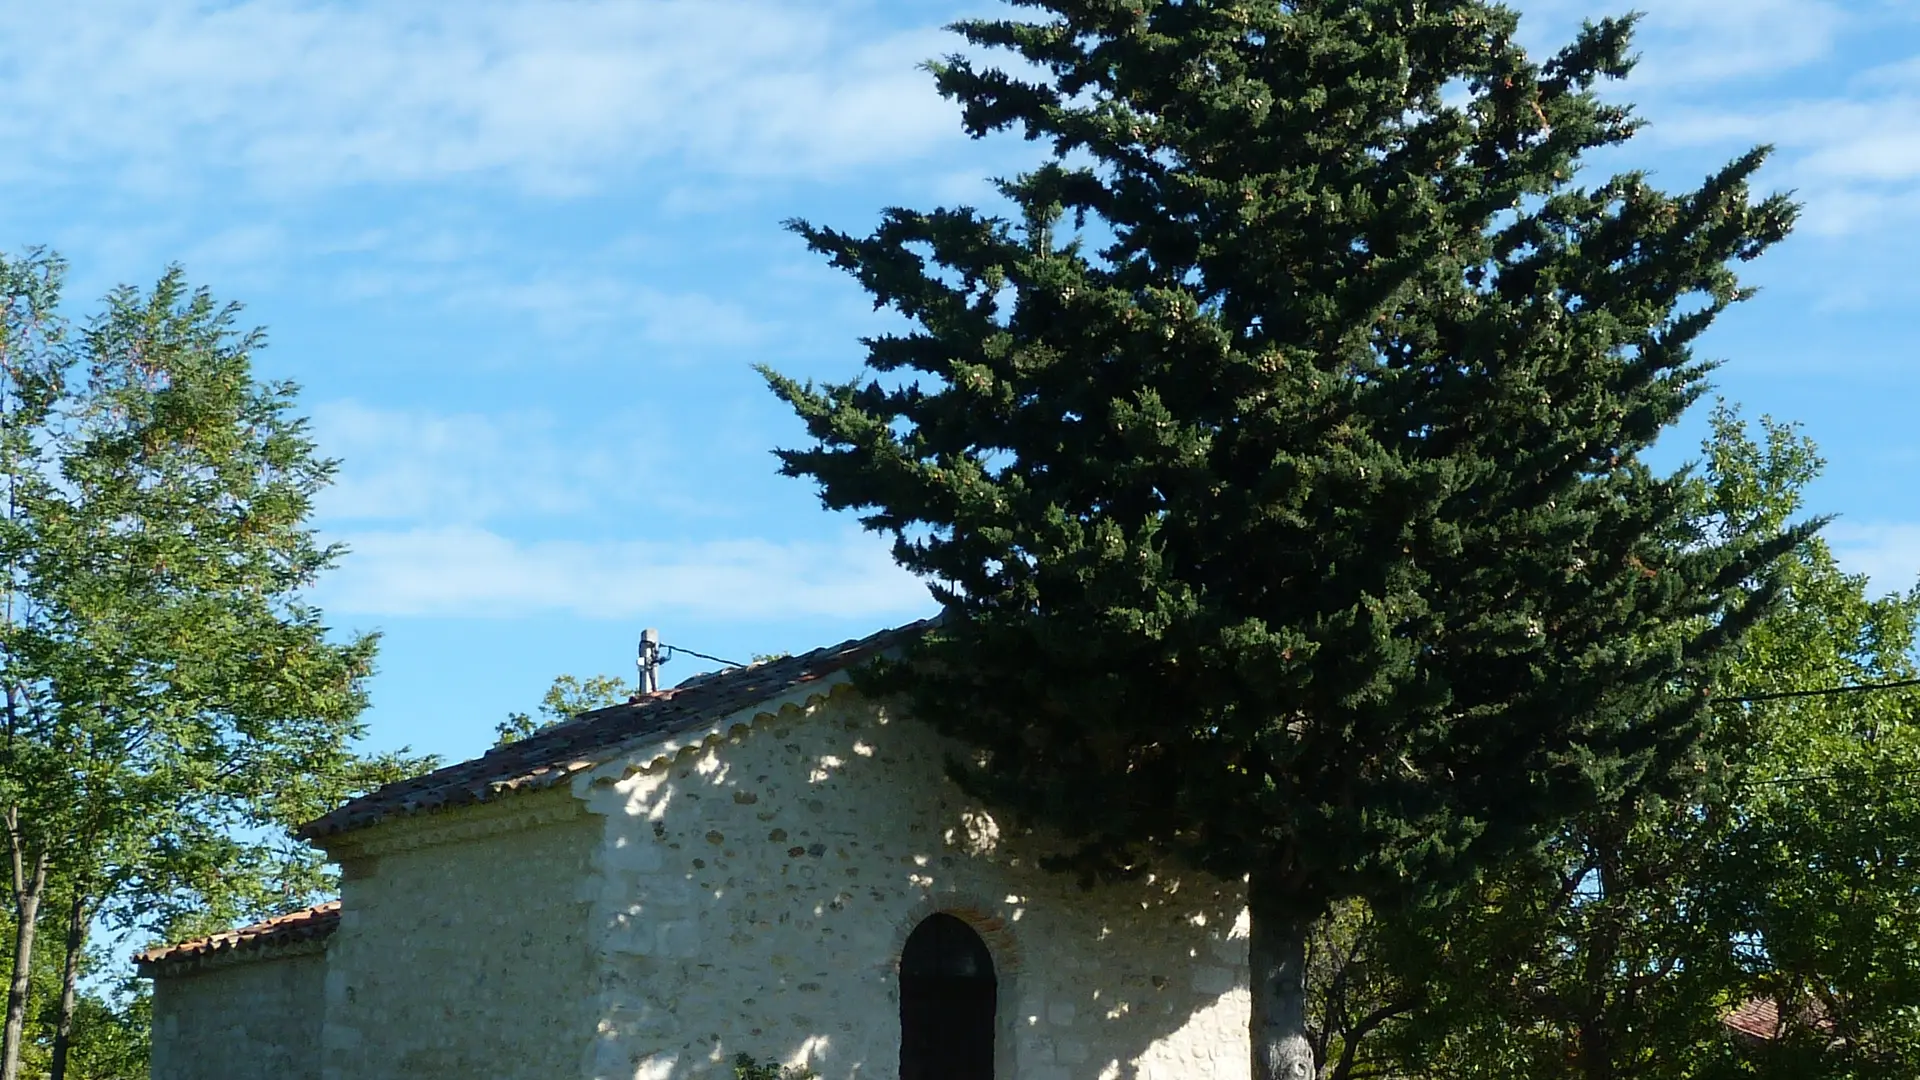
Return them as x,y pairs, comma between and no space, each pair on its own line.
308,924
1758,1018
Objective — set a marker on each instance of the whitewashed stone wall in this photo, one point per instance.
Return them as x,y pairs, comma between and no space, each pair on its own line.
752,893
248,1018
462,950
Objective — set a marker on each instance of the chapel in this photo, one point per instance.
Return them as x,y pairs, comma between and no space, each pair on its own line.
761,861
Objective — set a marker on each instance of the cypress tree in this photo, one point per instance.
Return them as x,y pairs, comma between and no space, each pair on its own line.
1279,458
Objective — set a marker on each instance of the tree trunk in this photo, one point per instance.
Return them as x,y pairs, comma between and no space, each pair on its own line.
26,906
69,978
1277,957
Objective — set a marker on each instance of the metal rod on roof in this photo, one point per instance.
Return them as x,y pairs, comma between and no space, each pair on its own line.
649,660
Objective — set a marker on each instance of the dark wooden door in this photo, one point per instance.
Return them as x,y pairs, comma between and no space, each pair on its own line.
947,992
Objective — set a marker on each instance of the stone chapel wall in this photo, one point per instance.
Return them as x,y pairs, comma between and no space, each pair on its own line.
462,948
753,895
252,1018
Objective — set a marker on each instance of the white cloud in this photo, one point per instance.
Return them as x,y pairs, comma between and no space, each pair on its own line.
569,304
1687,43
1853,162
560,303
1725,75
418,466
1864,139
439,512
1897,76
1704,41
1887,552
237,248
558,97
470,572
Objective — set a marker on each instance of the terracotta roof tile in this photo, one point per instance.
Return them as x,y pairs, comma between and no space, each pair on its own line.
307,924
1757,1018
552,755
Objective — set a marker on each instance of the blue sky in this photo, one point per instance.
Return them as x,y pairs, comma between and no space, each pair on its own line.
522,253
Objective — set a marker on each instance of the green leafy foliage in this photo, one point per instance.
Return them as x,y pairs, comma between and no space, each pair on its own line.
172,704
1278,459
1786,875
110,1024
567,698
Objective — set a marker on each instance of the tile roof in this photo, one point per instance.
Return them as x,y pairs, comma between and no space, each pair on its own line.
1759,1018
553,755
308,924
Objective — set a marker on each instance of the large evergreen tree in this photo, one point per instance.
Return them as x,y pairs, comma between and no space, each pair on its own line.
1279,459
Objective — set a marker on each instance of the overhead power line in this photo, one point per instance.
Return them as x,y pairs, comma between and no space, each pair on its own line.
1744,699
671,649
1827,691
1874,774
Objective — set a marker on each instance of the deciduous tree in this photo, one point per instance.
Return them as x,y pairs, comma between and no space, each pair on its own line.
567,698
172,702
1785,875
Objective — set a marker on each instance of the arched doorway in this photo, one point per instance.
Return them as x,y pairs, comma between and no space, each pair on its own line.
946,1003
